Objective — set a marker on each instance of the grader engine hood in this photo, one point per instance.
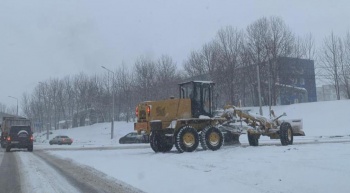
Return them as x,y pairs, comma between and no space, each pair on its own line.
165,110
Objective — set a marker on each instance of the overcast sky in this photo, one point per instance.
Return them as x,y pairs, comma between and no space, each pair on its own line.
41,39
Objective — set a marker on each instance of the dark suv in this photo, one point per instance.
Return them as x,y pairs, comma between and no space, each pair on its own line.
20,137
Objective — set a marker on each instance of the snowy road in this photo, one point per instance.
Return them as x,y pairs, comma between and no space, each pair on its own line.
318,167
36,172
9,179
248,169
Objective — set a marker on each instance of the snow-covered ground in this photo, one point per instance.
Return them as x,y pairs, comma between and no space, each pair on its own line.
313,167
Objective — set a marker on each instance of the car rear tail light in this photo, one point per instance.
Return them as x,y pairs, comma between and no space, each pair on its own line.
148,110
8,138
31,138
137,111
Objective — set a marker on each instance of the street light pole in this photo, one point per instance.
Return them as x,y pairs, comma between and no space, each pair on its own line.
17,103
259,89
112,125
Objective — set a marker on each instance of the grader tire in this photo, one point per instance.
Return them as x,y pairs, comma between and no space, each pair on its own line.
286,134
167,148
159,142
167,144
177,143
253,139
153,142
187,140
211,138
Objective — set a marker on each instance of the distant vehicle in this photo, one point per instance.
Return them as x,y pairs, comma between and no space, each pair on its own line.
133,137
16,133
61,139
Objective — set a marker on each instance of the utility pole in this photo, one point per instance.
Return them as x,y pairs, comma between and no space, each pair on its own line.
270,98
112,124
47,127
259,89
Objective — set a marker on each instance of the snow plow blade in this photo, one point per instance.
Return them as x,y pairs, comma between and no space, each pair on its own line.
231,134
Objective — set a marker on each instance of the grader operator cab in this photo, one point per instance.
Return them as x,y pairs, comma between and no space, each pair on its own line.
184,122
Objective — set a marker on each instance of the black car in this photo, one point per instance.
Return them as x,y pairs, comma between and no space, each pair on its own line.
133,137
19,137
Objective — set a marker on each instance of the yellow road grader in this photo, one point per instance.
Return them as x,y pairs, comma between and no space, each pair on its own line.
189,121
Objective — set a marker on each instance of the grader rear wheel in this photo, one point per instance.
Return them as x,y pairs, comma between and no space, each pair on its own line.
177,144
153,142
211,138
187,139
160,143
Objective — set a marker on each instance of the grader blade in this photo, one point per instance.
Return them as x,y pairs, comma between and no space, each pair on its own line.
231,134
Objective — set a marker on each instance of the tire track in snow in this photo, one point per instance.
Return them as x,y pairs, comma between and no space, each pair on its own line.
84,178
10,181
44,173
39,177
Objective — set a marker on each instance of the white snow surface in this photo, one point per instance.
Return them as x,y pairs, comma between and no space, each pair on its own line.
39,177
312,168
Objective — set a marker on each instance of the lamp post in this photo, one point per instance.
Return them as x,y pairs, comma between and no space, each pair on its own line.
259,89
112,125
17,103
47,128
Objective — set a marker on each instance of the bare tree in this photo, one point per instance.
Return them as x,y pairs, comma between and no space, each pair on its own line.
230,42
145,79
345,68
331,60
125,85
3,108
25,104
194,65
309,47
69,96
257,40
280,45
167,77
258,34
203,62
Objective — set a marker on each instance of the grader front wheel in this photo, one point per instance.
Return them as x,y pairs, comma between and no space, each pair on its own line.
286,134
253,139
187,139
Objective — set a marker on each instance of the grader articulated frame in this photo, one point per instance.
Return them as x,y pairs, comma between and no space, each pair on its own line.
274,128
